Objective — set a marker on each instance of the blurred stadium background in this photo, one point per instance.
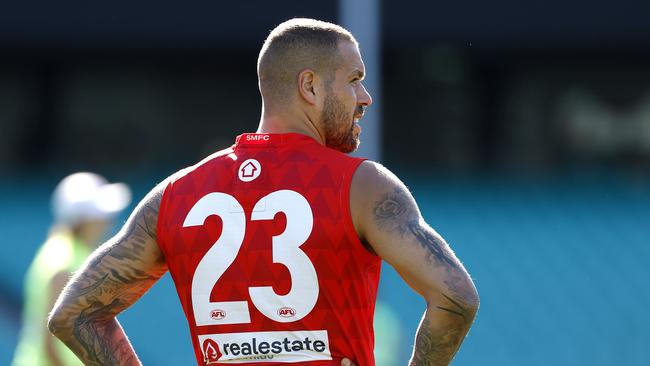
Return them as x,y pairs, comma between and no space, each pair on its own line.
523,129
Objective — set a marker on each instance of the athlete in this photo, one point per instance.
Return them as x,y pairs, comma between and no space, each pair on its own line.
84,206
275,243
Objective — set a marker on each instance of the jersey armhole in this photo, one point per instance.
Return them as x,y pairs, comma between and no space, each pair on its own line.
162,212
345,204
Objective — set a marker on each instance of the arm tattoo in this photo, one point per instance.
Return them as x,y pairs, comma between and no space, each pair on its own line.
435,347
394,212
456,309
110,282
99,340
445,324
434,245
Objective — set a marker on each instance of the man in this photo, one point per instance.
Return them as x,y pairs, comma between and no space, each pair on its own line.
275,244
84,205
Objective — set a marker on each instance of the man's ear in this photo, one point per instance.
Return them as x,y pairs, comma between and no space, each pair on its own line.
307,80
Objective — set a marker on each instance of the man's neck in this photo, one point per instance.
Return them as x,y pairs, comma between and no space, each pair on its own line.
278,124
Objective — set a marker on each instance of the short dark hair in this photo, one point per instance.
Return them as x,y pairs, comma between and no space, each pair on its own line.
295,45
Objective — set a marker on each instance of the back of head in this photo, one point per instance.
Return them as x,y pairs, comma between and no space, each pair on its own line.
296,45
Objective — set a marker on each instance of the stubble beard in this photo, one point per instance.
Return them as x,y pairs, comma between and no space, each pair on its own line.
335,119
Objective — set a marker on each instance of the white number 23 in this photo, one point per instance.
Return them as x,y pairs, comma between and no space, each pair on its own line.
302,297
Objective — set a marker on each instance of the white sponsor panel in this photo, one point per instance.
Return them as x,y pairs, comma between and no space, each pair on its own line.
255,347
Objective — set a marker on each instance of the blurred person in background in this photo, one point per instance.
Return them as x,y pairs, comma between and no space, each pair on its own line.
275,244
84,206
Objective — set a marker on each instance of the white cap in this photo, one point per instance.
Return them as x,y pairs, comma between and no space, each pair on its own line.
84,197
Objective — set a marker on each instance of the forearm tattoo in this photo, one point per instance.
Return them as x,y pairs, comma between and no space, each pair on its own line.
103,342
111,281
436,342
435,347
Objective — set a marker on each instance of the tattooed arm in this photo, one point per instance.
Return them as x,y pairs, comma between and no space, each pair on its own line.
112,279
387,218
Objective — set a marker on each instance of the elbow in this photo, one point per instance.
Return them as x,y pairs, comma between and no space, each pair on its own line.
460,296
463,298
58,323
472,299
463,302
54,324
467,295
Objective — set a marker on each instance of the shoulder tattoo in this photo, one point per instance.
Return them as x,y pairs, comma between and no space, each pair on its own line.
395,212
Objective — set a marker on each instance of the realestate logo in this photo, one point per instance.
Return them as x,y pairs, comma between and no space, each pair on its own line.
211,353
256,347
249,170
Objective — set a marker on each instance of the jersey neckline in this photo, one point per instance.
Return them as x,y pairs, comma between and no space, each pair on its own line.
271,139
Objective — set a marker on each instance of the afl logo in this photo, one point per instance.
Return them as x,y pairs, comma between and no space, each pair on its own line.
249,170
217,314
287,312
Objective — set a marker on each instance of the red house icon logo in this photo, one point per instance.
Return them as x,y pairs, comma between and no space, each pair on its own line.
249,170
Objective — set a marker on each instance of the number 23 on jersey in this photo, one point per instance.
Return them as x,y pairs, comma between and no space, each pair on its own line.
300,300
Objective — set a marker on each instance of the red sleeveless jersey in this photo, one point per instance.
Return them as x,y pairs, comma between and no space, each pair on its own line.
268,267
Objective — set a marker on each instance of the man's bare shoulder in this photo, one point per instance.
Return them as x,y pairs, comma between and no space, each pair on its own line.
370,179
376,192
146,212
